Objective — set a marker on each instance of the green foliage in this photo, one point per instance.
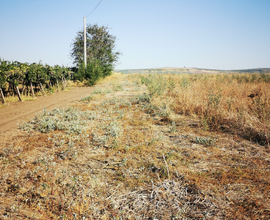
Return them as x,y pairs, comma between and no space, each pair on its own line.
100,46
57,72
80,73
184,83
31,75
101,55
24,73
156,84
14,73
93,72
3,70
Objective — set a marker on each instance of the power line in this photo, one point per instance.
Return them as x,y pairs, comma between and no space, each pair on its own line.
94,9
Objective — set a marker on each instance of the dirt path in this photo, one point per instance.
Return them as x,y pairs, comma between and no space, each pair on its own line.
16,113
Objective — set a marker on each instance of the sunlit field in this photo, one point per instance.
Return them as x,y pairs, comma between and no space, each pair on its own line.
146,146
235,103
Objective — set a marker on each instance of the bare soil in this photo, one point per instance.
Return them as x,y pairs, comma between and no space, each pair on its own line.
16,113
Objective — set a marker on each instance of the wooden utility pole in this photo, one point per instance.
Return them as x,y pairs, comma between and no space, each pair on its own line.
84,41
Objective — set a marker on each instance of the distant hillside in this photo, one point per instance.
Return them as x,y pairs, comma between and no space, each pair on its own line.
257,70
157,70
191,70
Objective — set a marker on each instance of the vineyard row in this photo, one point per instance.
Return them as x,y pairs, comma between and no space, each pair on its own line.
13,74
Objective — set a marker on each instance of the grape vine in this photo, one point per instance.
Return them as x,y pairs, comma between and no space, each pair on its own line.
17,78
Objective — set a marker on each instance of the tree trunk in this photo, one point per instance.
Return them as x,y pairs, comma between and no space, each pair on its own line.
42,90
63,83
10,89
57,85
18,92
14,89
23,89
3,97
27,90
32,90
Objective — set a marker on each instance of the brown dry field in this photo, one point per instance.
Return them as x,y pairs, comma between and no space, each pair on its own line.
135,160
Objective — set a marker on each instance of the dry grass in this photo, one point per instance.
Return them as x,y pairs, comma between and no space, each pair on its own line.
10,99
221,102
130,153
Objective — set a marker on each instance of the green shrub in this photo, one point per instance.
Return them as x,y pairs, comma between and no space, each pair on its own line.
93,72
156,84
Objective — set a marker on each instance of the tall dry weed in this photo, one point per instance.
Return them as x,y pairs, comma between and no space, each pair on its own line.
221,101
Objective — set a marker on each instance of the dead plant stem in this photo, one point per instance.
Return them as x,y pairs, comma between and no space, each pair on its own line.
166,165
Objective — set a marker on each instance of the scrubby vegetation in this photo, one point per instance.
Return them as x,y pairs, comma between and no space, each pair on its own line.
93,72
235,103
145,147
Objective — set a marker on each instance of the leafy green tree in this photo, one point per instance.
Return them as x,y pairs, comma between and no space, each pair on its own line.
100,48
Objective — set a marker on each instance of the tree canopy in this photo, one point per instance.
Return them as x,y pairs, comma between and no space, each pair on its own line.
100,46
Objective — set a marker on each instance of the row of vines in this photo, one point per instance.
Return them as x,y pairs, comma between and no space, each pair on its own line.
20,78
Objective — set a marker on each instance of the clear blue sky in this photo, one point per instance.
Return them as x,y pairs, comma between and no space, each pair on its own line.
216,34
